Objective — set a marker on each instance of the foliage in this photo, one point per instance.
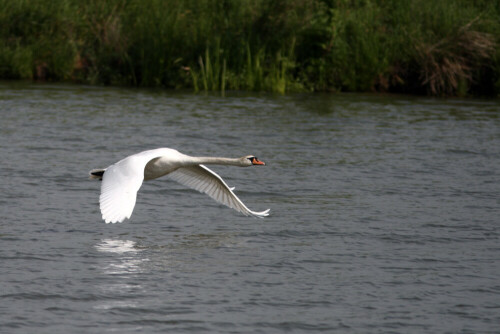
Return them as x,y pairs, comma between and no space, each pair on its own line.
448,47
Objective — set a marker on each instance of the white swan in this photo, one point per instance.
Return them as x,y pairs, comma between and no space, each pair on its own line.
122,180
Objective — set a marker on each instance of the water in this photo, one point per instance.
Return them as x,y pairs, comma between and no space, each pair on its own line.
384,214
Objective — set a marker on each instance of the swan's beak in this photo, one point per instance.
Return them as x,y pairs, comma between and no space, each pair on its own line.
256,161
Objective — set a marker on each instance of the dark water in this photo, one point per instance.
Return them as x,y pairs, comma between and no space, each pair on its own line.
384,215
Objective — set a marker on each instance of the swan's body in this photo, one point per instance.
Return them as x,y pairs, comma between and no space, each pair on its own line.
122,180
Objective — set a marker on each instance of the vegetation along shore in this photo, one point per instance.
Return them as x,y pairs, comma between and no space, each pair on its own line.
441,48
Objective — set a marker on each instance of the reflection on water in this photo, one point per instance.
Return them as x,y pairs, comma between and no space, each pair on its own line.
115,304
129,263
117,246
124,263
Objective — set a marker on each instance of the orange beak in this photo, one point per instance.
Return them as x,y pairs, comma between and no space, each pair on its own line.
256,161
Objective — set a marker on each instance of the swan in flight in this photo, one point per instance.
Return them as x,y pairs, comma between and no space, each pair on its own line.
122,180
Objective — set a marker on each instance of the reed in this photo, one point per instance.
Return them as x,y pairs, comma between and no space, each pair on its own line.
211,72
447,47
452,54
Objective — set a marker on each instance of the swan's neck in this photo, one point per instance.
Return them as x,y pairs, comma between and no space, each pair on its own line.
166,164
215,161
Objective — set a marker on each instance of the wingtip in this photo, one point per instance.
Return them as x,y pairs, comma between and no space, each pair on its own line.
113,220
261,214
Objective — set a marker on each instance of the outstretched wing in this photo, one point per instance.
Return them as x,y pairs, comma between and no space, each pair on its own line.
120,184
206,181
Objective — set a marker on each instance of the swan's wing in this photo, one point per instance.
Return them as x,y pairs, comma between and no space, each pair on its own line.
120,184
206,181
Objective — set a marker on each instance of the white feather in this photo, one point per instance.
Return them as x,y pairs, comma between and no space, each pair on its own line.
120,184
207,181
122,180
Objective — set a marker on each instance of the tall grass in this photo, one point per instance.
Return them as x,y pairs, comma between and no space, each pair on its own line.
450,49
447,47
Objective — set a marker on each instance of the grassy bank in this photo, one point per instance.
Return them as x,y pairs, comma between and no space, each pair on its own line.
446,47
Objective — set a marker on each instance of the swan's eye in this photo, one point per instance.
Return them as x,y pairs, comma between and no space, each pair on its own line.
251,158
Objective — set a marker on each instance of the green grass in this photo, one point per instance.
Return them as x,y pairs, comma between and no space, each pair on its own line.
447,47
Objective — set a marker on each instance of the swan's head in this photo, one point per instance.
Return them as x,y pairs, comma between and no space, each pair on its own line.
250,160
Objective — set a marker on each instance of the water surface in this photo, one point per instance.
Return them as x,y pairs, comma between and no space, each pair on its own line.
384,214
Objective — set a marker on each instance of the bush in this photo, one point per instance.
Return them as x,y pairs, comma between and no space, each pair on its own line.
447,47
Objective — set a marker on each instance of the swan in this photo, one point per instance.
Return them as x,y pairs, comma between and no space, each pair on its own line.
122,180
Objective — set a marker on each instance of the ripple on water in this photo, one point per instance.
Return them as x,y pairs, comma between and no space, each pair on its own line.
383,214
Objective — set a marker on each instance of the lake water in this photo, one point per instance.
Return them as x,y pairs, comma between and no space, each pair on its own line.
384,214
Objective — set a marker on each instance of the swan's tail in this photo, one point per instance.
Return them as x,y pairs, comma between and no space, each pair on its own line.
96,174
